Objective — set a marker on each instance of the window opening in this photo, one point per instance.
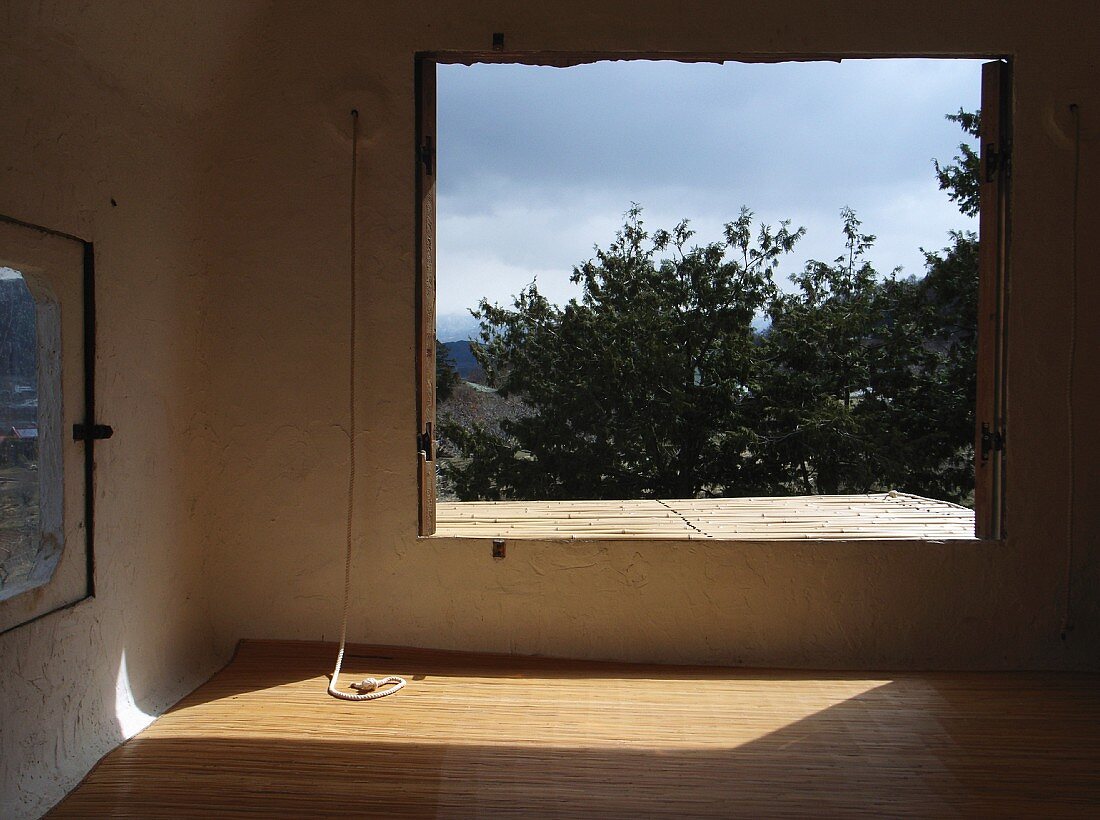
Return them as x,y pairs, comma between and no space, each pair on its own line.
46,421
882,355
30,537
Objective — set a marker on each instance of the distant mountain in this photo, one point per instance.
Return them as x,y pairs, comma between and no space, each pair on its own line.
453,327
463,358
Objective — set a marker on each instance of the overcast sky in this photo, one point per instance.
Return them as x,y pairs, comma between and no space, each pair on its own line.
537,165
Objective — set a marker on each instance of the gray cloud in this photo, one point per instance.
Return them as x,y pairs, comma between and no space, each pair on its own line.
536,165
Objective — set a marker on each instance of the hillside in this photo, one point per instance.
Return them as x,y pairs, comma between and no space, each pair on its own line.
463,358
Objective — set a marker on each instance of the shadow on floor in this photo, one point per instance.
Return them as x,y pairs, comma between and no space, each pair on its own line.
944,751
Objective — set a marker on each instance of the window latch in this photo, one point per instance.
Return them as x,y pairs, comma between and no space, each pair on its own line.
427,155
425,443
92,432
991,440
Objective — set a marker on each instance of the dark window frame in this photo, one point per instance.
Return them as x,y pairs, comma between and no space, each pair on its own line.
89,423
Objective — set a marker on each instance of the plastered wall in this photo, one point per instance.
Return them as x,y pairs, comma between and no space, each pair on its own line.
102,102
275,515
222,132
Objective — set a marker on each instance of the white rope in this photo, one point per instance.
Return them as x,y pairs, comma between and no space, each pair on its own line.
368,687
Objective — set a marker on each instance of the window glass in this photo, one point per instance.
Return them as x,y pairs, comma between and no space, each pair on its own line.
26,556
45,543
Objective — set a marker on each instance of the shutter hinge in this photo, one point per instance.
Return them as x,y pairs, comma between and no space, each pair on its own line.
992,162
427,155
997,161
425,443
991,440
93,432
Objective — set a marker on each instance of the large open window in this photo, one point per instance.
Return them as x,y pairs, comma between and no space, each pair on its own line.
45,304
869,367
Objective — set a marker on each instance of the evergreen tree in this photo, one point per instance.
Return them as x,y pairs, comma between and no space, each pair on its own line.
654,383
638,386
446,374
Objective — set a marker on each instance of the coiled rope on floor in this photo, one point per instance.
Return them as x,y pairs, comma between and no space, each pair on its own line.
368,687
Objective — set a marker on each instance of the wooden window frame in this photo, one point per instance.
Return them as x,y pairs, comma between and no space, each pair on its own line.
990,412
990,434
425,291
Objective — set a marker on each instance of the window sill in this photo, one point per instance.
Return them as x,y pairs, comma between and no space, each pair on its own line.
876,517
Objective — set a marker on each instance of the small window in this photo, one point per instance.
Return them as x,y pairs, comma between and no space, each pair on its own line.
972,470
44,552
30,488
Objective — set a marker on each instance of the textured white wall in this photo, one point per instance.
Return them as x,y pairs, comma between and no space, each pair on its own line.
220,130
278,362
101,101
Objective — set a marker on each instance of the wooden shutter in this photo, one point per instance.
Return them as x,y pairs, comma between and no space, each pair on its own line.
425,269
990,434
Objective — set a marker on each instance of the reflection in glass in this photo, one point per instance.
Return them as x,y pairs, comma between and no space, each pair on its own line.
20,504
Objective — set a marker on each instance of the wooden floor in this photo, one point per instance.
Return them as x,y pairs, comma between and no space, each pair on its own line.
489,736
878,516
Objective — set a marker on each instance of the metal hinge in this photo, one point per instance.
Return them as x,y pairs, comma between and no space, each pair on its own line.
991,441
427,155
425,443
997,161
94,432
992,161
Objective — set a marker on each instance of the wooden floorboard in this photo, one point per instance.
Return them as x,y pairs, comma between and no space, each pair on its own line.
877,516
489,736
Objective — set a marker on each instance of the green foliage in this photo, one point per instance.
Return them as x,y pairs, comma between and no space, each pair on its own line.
655,383
638,384
960,178
867,383
811,421
446,375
